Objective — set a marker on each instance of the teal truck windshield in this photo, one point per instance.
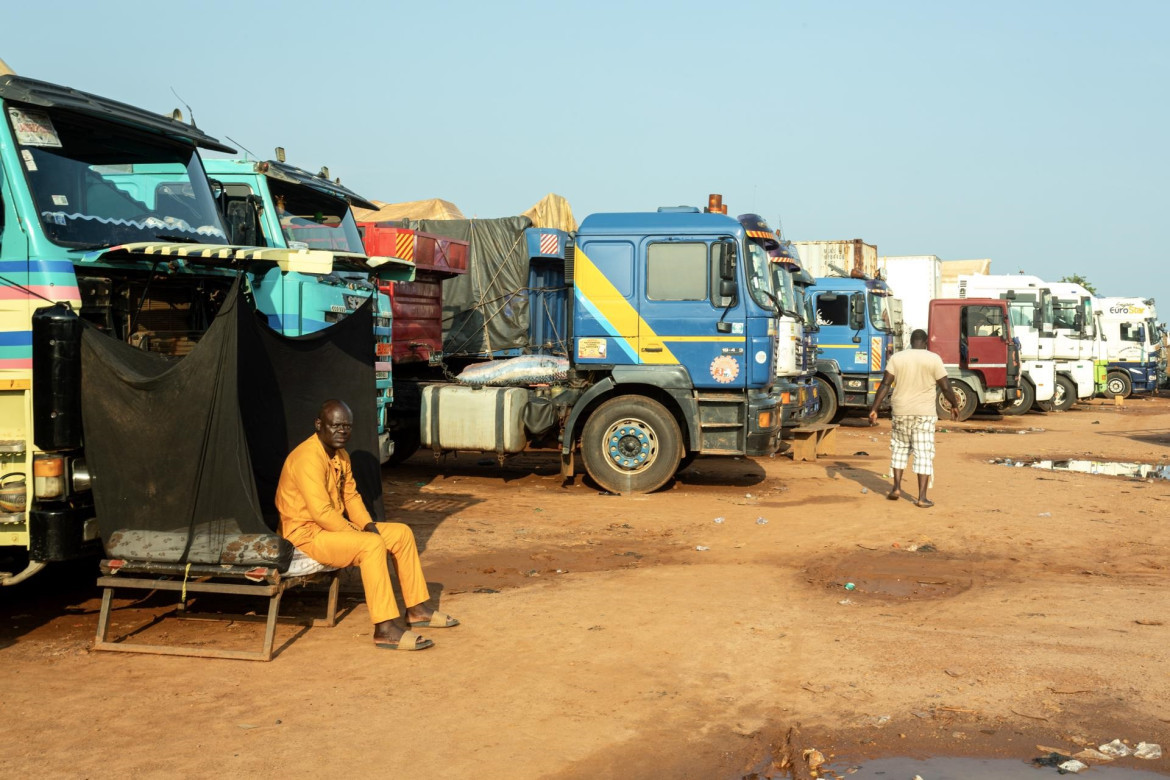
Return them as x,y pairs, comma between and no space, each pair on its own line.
83,175
759,276
879,312
314,220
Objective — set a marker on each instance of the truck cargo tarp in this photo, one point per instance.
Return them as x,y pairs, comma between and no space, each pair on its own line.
190,447
552,211
435,208
485,309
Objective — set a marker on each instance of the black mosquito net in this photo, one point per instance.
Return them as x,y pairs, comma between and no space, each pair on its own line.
185,455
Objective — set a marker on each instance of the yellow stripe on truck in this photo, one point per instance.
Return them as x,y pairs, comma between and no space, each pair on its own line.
618,317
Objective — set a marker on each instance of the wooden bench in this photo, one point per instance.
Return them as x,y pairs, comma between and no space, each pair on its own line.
813,440
187,579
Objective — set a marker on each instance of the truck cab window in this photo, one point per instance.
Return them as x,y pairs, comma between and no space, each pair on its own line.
982,321
676,272
833,311
1132,331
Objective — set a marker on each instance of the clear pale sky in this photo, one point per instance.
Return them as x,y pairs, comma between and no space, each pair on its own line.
1032,133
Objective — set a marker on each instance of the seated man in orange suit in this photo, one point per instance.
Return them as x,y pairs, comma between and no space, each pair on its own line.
322,515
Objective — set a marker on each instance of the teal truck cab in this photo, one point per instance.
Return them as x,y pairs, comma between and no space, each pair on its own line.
854,341
107,218
650,339
274,204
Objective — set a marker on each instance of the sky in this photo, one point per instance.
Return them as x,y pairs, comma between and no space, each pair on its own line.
1031,133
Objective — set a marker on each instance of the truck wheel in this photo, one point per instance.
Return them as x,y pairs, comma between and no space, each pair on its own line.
1064,394
1118,383
963,394
406,442
827,397
1022,404
631,445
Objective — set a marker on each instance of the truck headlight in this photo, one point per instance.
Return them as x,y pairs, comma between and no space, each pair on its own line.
49,476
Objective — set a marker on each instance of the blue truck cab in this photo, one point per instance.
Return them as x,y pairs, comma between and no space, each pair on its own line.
664,326
273,204
854,341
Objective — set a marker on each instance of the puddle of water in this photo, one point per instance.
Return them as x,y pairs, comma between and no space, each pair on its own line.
975,769
1103,467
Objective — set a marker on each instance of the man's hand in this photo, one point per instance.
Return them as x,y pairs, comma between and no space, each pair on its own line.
371,527
873,417
954,412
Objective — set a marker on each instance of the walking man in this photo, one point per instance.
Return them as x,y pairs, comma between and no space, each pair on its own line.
914,374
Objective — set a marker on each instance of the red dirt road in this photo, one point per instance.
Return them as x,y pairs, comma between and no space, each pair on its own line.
1027,608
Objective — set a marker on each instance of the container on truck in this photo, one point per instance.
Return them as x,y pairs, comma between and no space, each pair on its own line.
915,280
852,257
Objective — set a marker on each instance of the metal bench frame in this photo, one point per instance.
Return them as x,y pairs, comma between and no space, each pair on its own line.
202,578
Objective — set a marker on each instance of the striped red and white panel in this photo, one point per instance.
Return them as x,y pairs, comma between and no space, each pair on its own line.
550,244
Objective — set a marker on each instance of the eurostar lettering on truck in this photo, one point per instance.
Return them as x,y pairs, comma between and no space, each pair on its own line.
657,334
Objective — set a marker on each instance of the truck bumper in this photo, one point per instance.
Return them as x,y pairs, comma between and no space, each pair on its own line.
763,432
798,401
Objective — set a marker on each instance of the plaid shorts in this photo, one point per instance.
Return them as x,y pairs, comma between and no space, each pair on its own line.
912,434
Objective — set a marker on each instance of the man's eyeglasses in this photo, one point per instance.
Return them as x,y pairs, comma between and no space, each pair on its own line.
335,427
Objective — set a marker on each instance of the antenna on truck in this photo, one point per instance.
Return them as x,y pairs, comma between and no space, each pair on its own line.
190,113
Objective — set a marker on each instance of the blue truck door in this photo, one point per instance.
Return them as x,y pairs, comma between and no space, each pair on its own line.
678,315
835,339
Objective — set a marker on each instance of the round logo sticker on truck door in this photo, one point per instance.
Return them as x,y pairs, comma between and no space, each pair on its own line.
724,369
761,357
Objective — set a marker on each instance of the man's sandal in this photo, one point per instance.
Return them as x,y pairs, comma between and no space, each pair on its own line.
437,620
408,641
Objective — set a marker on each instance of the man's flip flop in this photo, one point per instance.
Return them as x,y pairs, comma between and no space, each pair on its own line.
927,504
893,495
408,641
438,620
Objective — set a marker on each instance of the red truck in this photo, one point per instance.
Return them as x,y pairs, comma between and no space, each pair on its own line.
417,308
973,336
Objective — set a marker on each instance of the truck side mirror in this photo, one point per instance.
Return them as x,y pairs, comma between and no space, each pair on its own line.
727,261
856,311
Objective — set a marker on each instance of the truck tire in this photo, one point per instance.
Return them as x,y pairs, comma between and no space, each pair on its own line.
827,397
1022,404
1064,395
965,396
631,445
406,442
1118,383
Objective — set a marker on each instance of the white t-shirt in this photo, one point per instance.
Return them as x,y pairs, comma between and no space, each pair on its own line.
915,372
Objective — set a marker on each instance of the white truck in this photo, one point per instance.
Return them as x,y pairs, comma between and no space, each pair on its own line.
1132,341
1077,345
1030,305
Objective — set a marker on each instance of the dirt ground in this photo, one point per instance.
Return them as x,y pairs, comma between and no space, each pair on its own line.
629,637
